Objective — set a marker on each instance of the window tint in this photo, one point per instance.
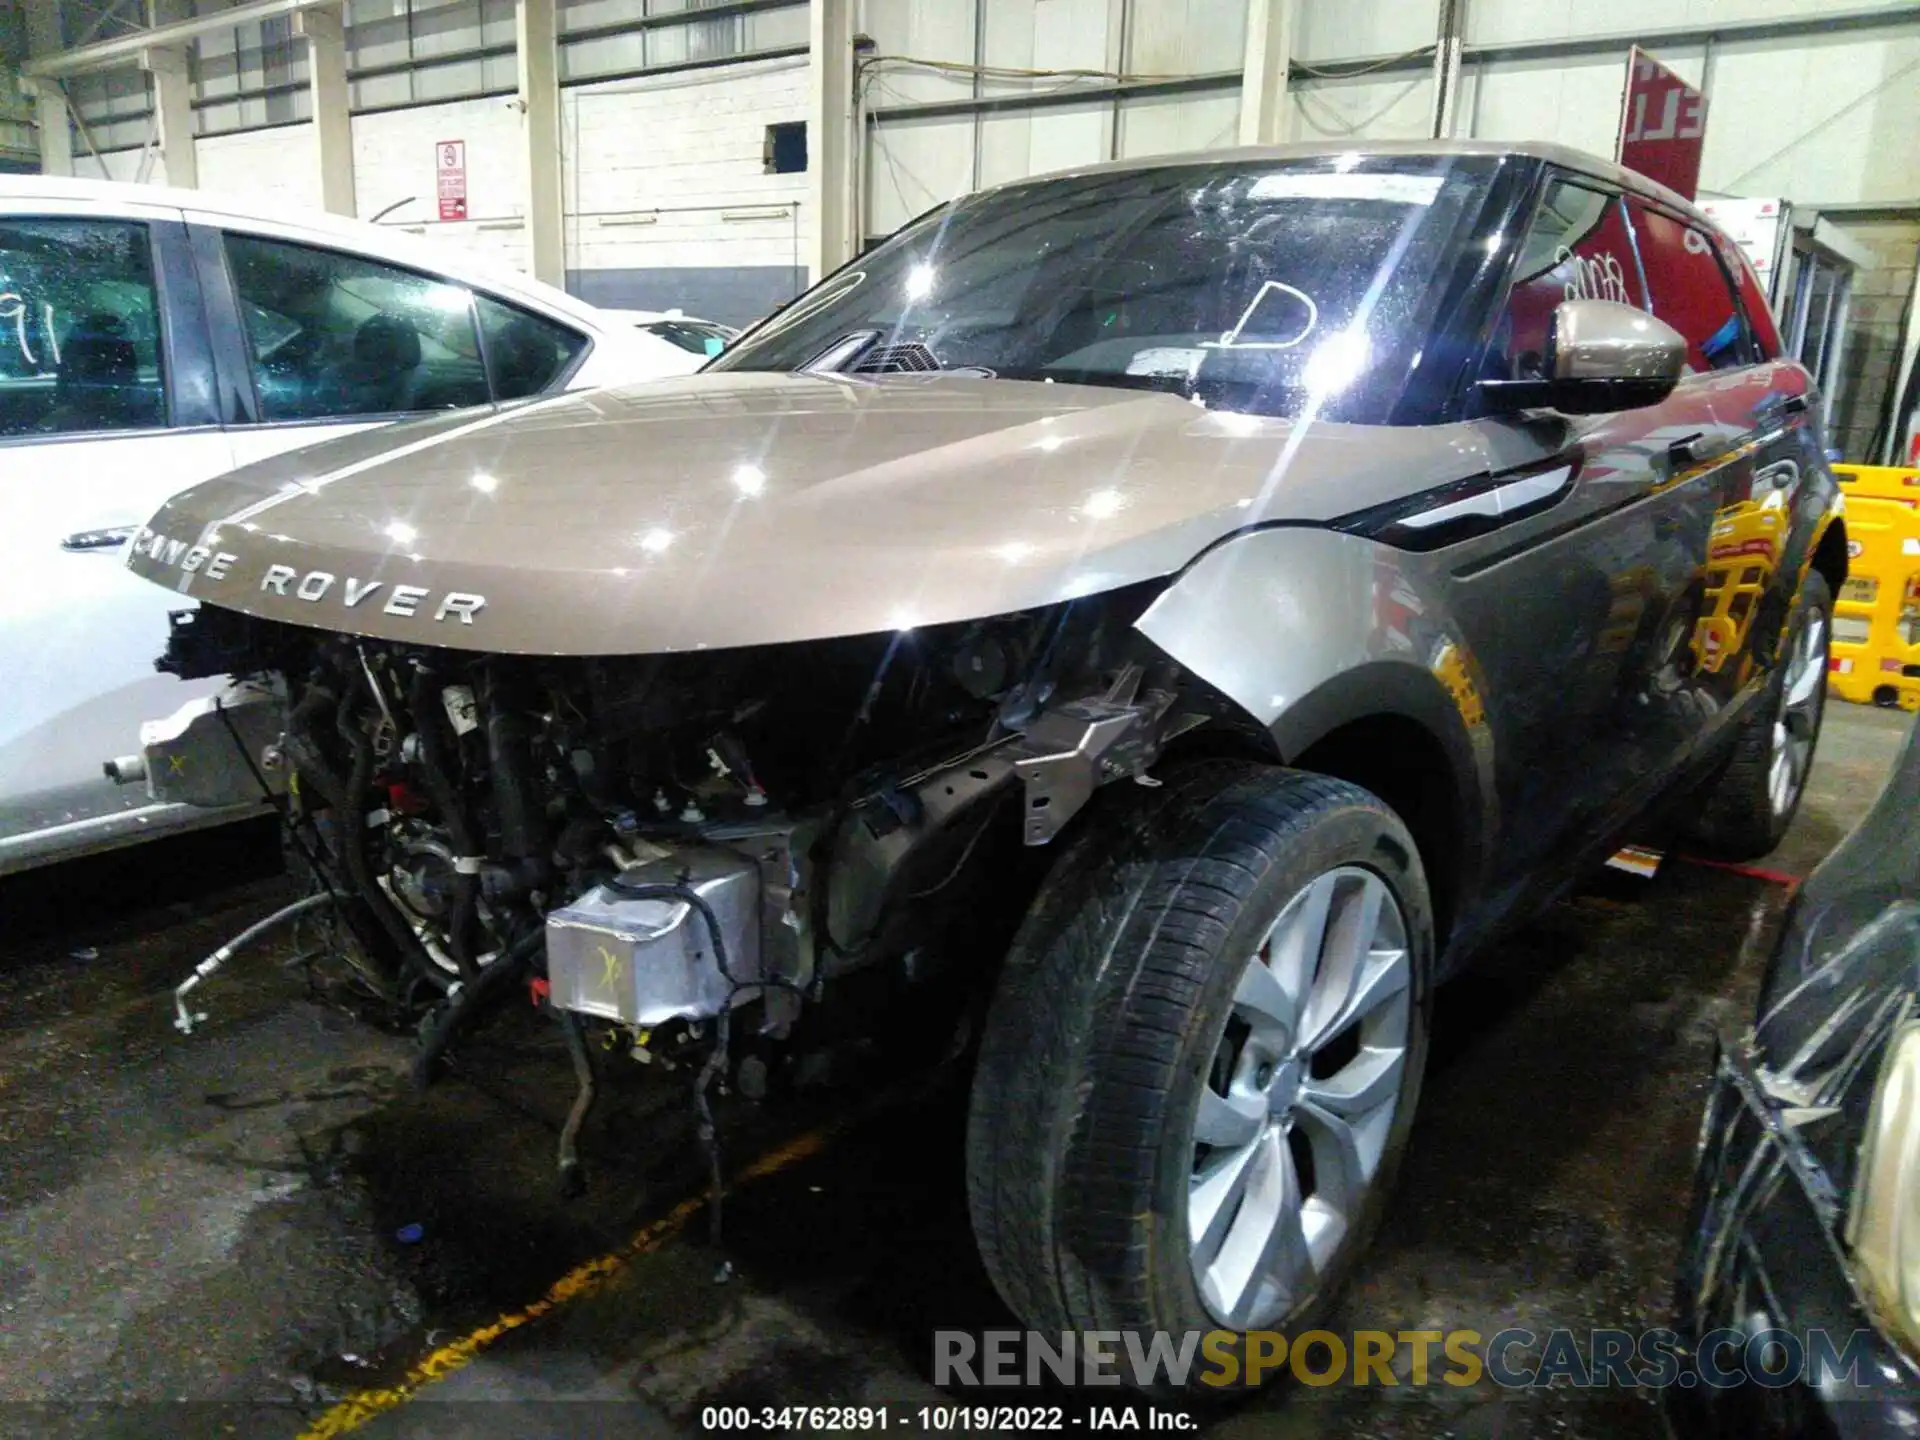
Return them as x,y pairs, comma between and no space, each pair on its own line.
1577,247
334,336
79,328
527,353
690,335
1690,290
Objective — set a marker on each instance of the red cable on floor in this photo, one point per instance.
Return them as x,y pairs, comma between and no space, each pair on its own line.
1752,872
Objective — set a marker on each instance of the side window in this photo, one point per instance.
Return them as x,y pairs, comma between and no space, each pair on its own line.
1753,300
337,337
1578,247
527,352
1690,290
79,328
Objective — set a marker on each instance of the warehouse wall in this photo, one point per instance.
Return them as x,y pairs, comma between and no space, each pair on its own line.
913,163
278,166
394,160
1829,121
1815,120
131,165
1396,106
18,147
668,200
689,217
1881,291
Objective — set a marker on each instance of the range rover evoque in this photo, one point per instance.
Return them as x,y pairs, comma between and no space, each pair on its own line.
1172,611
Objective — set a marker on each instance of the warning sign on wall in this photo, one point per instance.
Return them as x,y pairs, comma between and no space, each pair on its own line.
450,171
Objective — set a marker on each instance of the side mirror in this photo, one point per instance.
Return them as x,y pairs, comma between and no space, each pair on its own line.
1601,356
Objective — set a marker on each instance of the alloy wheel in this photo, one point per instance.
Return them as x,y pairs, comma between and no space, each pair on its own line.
1300,1098
1797,725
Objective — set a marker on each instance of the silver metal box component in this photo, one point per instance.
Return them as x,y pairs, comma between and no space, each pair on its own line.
643,962
191,757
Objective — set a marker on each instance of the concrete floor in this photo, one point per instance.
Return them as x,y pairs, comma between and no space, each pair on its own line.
225,1220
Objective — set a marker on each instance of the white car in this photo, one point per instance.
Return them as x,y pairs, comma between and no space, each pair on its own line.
154,338
682,342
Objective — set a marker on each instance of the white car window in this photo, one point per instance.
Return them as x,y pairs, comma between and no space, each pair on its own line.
527,353
337,337
79,329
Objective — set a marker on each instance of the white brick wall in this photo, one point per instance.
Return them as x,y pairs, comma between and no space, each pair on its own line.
118,165
688,146
393,159
267,167
691,147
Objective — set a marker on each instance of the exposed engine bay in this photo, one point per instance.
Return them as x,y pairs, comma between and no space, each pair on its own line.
652,843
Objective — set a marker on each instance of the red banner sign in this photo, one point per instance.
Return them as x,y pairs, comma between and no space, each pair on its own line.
450,174
1663,125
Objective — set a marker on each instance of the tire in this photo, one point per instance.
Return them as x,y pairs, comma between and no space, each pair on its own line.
1118,1007
1747,807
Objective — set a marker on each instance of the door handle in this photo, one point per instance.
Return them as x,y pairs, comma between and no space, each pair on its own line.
110,538
1794,405
1696,449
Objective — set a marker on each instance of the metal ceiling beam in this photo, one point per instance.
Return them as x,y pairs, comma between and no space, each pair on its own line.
127,49
110,16
1208,82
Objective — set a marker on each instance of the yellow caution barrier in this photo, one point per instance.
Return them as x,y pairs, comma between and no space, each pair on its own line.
1876,616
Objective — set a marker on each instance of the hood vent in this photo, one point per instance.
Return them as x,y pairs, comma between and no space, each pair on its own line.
909,359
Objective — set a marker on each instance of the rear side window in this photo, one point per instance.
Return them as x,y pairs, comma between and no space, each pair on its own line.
1753,300
1690,290
79,328
1577,247
336,337
527,353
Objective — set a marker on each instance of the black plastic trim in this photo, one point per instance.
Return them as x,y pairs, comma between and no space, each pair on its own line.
232,360
1385,522
185,345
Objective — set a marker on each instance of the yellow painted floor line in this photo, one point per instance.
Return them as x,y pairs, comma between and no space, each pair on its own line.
364,1405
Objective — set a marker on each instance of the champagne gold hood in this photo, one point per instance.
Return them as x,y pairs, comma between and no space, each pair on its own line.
747,509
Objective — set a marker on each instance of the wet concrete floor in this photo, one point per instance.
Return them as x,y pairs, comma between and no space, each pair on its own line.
229,1233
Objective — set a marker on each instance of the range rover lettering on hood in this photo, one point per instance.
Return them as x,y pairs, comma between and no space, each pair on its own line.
406,602
737,509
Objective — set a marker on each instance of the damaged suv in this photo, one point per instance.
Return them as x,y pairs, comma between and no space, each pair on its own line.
1152,622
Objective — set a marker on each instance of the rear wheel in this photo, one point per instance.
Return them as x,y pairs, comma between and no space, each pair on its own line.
1750,804
1201,1064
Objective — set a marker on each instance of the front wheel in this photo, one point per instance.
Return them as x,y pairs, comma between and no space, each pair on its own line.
1203,1058
1749,805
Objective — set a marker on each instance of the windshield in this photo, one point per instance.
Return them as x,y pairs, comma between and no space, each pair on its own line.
1259,287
